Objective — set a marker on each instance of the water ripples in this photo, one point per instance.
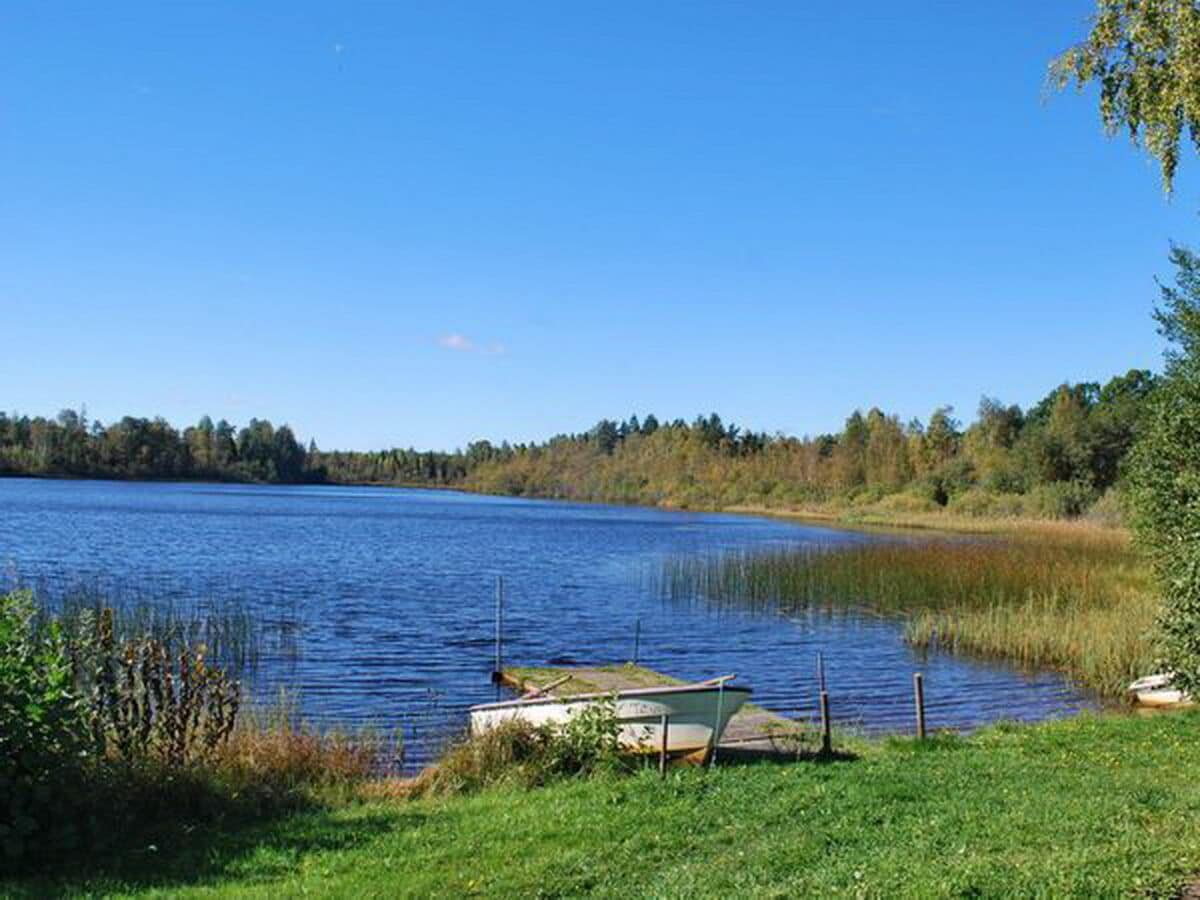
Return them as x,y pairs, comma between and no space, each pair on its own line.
376,606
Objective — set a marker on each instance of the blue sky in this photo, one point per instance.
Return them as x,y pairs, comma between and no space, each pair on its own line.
417,224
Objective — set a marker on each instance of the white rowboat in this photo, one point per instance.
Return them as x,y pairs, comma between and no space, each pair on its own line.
696,714
1156,691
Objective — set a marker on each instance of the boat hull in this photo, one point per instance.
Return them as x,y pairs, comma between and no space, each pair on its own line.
696,716
1165,697
1156,692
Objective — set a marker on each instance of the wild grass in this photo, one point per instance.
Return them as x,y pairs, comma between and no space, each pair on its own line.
274,744
894,512
1095,806
1071,597
226,628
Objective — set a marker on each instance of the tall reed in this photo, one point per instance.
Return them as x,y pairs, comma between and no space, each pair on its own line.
1077,600
227,629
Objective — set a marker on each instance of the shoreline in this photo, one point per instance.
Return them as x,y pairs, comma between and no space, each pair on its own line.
838,517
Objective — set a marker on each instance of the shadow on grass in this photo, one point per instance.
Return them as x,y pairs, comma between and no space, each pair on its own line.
177,856
749,755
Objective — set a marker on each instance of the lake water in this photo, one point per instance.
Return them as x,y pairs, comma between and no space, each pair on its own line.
378,604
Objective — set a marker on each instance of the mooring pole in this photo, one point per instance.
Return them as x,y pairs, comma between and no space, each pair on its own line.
497,672
637,639
919,693
826,726
712,761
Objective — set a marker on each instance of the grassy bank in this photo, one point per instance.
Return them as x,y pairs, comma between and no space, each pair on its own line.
1071,597
901,511
1092,807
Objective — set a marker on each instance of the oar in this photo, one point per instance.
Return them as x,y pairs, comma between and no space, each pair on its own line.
538,691
720,680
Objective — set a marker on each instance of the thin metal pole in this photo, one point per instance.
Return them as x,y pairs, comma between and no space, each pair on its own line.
498,670
919,692
826,726
716,734
637,639
821,671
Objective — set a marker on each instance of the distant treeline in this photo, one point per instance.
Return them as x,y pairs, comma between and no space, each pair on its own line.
133,448
1056,458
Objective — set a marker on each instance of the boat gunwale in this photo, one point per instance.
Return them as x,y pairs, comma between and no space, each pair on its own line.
604,695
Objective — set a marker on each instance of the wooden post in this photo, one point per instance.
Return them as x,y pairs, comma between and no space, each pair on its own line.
498,671
637,639
664,723
919,691
826,726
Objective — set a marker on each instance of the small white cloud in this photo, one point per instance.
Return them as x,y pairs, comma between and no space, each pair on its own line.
460,343
456,341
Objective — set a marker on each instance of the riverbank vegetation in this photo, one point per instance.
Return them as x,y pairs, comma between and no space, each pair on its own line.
1090,807
1165,472
113,738
1056,459
1053,460
1071,597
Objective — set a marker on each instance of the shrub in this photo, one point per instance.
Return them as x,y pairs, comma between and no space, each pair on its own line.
906,502
974,502
43,735
107,741
1164,475
518,753
152,698
1061,499
982,503
1110,510
950,478
588,742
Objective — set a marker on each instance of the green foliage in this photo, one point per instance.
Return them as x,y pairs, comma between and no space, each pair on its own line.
588,742
1165,475
1142,54
1060,499
518,753
1072,443
102,736
43,736
152,448
151,699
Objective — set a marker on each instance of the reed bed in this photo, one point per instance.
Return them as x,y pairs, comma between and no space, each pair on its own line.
1076,599
229,632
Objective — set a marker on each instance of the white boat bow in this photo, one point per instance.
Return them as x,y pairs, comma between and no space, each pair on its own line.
1157,691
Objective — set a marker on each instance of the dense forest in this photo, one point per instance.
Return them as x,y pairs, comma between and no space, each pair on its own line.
1056,458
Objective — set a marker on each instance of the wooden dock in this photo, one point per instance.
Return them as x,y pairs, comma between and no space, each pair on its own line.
752,733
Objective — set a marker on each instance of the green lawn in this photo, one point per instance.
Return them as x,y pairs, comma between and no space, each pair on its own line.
1095,806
